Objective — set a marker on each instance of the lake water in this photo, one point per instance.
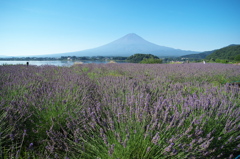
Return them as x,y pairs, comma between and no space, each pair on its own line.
55,63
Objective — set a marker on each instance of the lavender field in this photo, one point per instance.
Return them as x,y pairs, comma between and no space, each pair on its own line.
125,111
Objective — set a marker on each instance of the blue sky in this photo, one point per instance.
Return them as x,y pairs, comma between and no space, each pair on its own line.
33,27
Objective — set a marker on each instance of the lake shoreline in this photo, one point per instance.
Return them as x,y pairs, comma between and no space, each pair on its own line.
55,62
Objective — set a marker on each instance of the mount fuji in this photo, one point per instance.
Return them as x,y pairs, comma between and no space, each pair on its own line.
128,45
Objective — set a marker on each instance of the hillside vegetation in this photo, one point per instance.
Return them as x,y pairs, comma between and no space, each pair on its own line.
227,53
199,56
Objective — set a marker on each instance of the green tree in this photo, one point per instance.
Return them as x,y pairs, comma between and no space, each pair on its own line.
136,58
237,58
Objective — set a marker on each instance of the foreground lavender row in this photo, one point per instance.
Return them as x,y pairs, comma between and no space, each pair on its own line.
120,111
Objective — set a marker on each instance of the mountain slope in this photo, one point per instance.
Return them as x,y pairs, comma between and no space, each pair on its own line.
228,53
199,56
129,45
3,56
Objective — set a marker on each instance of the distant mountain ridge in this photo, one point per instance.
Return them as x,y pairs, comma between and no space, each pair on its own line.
128,45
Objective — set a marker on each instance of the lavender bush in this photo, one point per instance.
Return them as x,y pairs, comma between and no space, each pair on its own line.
120,111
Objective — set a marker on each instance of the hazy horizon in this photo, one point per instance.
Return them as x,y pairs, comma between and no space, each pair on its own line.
48,27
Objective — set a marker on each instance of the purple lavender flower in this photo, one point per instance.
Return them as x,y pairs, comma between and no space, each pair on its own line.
148,149
156,138
11,136
168,149
24,132
111,149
